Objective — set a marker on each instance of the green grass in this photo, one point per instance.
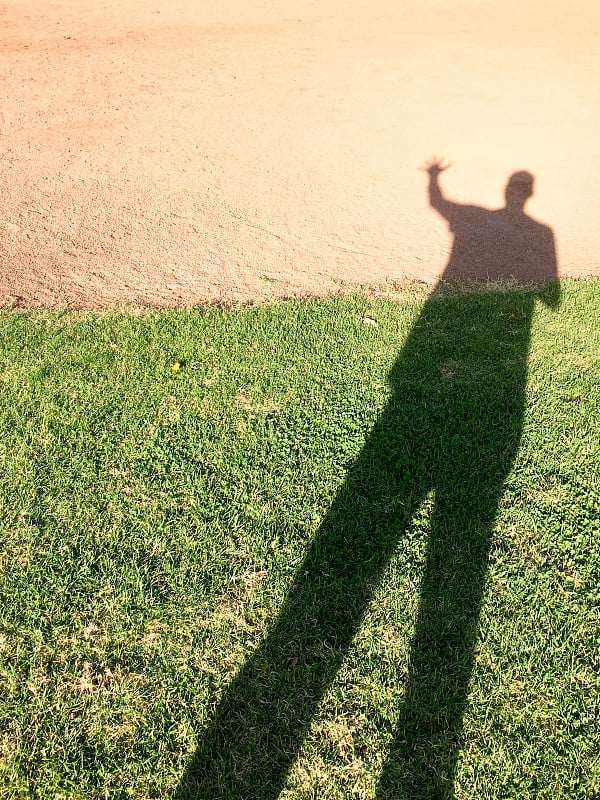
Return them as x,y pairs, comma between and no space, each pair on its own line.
167,627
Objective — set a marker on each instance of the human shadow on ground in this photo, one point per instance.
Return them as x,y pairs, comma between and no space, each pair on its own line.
451,427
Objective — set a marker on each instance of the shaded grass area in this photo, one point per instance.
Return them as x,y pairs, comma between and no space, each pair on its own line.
154,520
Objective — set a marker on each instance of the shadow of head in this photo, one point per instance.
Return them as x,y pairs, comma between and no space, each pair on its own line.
519,189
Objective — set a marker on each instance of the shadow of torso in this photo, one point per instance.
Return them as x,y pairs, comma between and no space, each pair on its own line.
499,245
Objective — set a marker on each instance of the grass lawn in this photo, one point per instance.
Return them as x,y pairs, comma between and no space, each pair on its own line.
342,548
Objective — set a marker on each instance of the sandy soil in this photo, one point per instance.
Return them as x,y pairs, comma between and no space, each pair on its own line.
169,153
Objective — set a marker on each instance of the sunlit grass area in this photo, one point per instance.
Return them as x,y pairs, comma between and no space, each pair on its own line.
162,475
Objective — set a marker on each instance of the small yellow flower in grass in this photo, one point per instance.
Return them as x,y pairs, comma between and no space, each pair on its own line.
176,366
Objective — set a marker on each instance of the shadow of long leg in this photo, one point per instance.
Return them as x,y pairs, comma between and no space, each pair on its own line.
263,717
422,760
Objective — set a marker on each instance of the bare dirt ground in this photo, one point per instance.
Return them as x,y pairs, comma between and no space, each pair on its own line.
170,153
